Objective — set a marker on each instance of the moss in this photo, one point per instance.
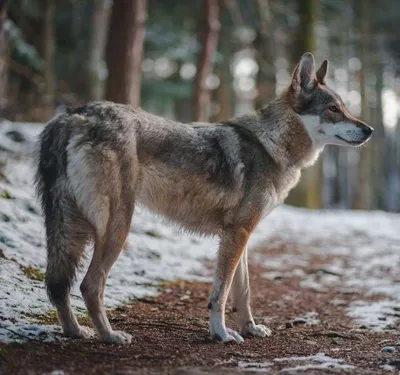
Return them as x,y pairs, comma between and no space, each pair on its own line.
83,320
181,284
153,233
5,194
3,350
33,273
50,317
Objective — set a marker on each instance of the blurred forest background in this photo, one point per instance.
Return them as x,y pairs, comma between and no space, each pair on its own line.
210,60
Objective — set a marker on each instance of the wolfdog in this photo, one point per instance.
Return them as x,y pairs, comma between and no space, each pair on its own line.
96,161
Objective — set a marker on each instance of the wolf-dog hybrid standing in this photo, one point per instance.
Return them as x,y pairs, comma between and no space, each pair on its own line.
97,161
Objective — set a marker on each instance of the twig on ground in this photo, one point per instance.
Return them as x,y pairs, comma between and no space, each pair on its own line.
336,334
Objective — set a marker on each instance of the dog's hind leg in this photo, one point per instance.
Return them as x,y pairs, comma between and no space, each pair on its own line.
108,246
67,235
241,301
233,243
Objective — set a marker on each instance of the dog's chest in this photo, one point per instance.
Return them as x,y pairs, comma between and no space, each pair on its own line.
288,181
275,194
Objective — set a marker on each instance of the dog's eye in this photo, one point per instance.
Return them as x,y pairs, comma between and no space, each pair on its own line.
333,108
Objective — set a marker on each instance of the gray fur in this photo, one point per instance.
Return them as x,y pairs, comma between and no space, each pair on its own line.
99,160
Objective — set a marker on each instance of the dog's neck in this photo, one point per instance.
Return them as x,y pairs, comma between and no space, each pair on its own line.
282,133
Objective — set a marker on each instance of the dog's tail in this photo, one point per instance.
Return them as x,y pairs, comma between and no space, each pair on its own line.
51,184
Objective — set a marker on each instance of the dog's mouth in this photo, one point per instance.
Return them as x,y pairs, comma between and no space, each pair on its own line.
354,143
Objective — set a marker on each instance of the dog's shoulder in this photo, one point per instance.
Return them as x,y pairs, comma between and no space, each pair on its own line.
245,135
252,150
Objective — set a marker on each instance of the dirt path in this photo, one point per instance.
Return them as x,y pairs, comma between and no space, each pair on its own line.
171,335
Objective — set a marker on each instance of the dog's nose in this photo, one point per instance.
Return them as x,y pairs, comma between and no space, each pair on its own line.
367,130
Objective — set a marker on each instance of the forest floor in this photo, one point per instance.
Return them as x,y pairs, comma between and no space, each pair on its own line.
171,336
325,281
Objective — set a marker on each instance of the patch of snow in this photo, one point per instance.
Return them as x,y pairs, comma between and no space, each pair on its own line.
255,366
388,368
317,361
311,318
322,366
26,131
319,357
377,316
57,372
360,252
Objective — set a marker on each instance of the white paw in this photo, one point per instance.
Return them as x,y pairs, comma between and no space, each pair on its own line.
258,330
81,333
233,334
117,337
86,332
229,335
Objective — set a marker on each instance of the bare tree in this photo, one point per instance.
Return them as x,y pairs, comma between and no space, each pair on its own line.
125,51
209,40
48,59
303,39
98,38
3,55
224,93
265,47
363,195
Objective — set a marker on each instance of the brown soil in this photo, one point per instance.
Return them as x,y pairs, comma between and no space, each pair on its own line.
171,335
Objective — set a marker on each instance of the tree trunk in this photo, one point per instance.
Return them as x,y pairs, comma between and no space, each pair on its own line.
98,37
224,94
363,195
265,55
125,51
3,56
304,39
48,59
380,165
307,23
209,39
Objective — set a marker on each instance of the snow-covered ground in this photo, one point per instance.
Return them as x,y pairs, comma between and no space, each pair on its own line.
359,250
362,251
318,361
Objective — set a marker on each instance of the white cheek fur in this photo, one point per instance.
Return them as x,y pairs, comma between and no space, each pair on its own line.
326,133
346,130
312,125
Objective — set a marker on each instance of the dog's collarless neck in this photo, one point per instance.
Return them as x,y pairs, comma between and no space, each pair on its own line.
258,135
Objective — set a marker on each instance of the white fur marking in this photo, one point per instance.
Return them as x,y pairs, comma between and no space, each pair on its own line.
327,133
346,130
82,179
312,124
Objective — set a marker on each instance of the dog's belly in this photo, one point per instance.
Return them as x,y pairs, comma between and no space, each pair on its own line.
189,200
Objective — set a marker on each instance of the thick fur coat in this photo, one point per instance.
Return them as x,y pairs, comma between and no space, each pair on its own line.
98,161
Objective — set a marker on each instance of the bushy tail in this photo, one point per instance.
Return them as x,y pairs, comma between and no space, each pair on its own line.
61,261
50,177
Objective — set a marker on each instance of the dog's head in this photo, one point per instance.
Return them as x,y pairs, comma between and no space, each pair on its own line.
321,110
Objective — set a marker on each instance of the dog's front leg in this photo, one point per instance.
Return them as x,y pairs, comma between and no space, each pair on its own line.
241,301
233,242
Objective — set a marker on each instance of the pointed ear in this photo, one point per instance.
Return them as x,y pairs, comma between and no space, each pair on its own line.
303,77
322,72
